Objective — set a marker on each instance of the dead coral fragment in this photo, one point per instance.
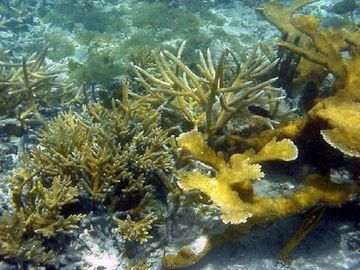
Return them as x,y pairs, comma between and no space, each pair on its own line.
136,230
231,187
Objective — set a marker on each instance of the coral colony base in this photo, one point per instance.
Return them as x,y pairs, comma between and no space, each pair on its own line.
177,157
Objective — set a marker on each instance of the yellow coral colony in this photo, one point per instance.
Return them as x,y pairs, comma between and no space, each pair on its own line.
321,49
232,191
340,112
343,120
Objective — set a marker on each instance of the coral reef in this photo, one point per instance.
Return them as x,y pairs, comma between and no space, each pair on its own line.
327,50
37,216
197,149
329,44
342,117
136,231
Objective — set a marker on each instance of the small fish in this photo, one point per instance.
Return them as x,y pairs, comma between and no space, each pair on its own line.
258,111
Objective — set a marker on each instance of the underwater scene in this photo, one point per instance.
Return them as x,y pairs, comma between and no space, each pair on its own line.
180,134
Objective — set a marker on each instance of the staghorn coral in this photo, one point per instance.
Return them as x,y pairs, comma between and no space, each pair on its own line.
15,244
136,230
216,95
26,85
99,147
37,216
106,156
231,190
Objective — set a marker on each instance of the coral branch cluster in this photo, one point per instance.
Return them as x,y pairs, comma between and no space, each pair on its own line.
217,94
98,157
26,85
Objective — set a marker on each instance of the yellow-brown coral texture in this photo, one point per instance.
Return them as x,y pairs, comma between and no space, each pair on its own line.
231,189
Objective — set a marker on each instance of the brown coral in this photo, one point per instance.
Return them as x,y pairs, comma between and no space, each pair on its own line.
24,86
37,215
97,155
136,230
98,147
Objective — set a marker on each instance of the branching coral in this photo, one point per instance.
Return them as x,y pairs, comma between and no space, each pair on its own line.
341,111
100,147
322,51
216,95
280,15
36,216
136,230
98,155
343,121
23,86
231,190
14,243
321,48
327,47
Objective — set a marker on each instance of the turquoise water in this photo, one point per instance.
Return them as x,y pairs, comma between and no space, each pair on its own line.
97,99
